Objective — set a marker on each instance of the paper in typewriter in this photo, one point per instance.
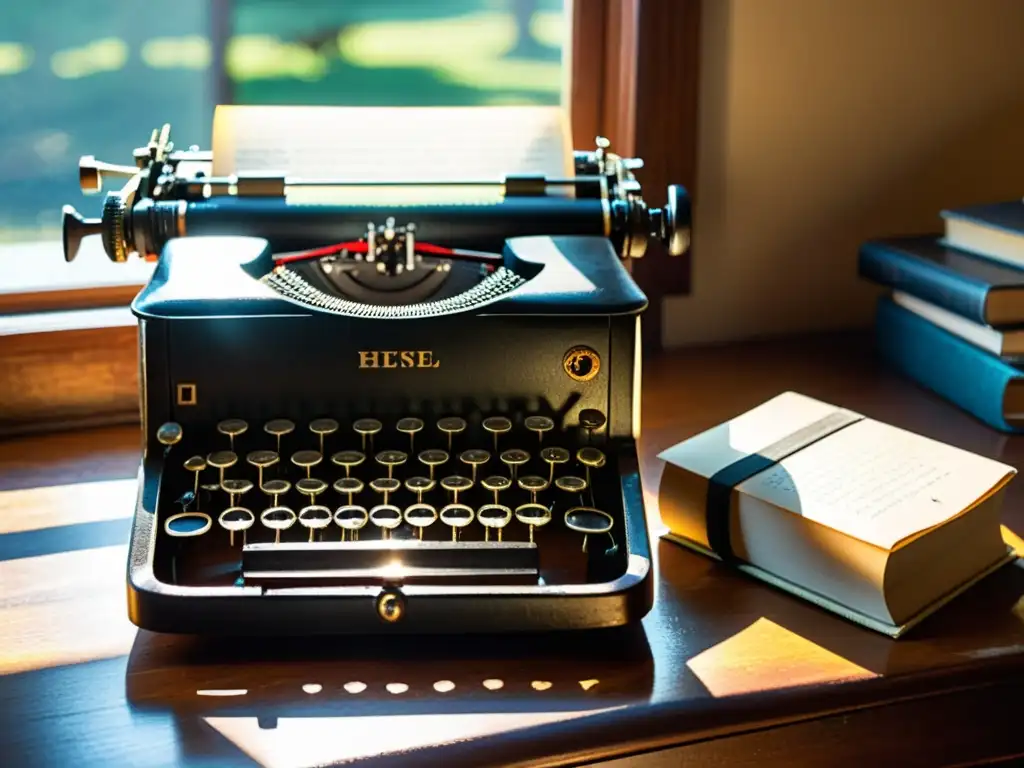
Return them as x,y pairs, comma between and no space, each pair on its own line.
393,144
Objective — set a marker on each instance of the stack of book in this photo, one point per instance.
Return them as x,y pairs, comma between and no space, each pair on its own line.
953,319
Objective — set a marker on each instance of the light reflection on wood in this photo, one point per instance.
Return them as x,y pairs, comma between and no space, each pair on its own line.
766,656
1013,540
63,609
33,509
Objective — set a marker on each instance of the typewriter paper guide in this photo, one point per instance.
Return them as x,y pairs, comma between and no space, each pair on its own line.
870,481
387,144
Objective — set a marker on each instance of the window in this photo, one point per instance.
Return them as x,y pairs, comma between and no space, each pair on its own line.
110,72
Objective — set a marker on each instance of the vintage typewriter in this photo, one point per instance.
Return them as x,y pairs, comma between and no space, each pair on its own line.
364,418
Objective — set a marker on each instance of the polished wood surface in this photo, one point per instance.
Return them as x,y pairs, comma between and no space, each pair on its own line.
724,670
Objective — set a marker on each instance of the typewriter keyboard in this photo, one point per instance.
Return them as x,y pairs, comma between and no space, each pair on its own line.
448,500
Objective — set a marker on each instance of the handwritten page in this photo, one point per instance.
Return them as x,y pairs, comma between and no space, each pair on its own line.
394,144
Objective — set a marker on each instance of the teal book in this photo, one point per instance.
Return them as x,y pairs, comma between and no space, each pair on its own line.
971,378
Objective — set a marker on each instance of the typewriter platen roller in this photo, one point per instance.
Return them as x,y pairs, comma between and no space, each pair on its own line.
363,418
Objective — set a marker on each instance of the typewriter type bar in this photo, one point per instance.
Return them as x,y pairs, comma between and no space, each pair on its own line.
390,561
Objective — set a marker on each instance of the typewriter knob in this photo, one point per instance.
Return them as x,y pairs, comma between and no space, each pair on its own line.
75,228
676,221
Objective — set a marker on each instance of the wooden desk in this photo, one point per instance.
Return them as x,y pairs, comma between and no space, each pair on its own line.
724,671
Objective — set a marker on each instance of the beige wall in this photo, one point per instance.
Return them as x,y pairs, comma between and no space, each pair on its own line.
827,122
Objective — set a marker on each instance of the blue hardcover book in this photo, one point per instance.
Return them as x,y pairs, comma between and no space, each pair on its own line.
995,230
970,378
979,289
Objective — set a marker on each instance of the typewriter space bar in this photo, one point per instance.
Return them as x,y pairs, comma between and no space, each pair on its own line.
390,561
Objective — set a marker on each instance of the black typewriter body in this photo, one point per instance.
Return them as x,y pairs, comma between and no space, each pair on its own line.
558,341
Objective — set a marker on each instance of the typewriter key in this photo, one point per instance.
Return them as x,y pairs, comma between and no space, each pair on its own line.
169,434
590,457
187,524
312,487
322,428
391,459
474,457
315,517
195,464
277,519
279,428
410,426
592,420
451,425
236,519
420,516
232,428
456,483
495,484
540,425
533,484
235,487
351,518
348,459
307,460
385,485
261,460
222,460
457,517
514,458
496,425
367,428
348,486
534,515
554,456
419,486
387,517
275,489
588,520
433,458
571,484
493,516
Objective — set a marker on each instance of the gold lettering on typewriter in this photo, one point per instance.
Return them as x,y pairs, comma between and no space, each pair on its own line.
398,358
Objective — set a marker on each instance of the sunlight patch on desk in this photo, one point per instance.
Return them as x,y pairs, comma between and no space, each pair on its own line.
304,741
766,656
33,509
62,609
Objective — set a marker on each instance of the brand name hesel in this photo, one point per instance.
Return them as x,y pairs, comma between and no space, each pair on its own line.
398,358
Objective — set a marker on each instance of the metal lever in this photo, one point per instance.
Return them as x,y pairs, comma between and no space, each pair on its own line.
91,172
75,228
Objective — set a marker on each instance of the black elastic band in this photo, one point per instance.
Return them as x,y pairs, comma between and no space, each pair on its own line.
722,483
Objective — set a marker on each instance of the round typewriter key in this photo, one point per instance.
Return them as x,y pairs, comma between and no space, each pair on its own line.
433,458
474,457
571,484
496,425
348,459
514,458
533,484
195,464
386,484
590,457
222,460
553,456
493,516
391,459
455,484
592,420
235,487
496,484
261,460
533,515
367,428
451,425
351,518
277,519
410,425
588,520
321,428
387,517
232,428
275,489
187,524
306,459
420,516
539,424
279,428
348,486
169,434
456,517
235,519
315,517
419,486
312,487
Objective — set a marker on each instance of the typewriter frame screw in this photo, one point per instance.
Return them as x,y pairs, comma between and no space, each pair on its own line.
581,364
390,606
